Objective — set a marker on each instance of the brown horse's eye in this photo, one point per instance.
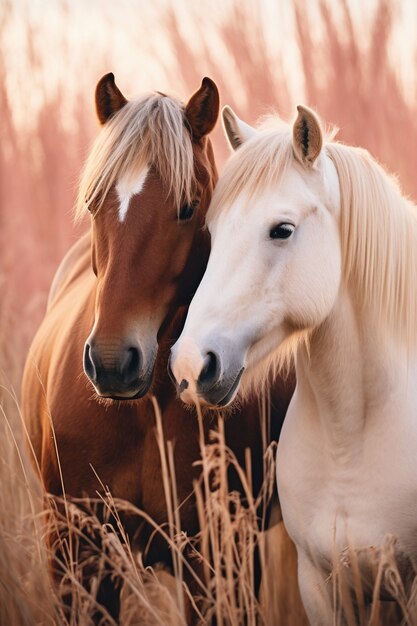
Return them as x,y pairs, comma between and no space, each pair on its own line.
187,211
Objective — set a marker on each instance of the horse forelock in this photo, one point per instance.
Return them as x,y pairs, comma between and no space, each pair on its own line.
257,165
150,131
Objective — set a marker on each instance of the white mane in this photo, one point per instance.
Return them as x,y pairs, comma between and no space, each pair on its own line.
378,230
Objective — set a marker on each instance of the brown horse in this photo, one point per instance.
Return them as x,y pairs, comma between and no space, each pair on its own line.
117,304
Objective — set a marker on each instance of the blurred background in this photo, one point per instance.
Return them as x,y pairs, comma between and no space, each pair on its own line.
354,61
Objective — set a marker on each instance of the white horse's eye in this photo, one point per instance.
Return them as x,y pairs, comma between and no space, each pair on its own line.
282,231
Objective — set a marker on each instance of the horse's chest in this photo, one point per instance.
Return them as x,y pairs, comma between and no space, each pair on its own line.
355,498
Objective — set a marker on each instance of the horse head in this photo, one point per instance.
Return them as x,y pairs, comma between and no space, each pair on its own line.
147,183
275,263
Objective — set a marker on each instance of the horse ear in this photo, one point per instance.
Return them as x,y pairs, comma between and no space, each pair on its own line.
202,109
109,98
307,136
236,131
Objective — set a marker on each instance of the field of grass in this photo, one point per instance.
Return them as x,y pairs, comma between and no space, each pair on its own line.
347,68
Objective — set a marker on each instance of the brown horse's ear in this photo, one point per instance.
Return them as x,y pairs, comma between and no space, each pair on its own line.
109,98
202,109
307,136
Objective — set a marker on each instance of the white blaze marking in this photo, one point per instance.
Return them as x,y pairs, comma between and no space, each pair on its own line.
127,189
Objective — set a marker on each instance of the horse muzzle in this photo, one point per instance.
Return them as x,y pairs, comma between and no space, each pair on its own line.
118,372
208,377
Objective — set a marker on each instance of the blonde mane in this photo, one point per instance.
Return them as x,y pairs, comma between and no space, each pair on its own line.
378,230
148,131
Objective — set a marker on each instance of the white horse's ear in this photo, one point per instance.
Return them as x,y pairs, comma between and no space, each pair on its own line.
307,136
236,131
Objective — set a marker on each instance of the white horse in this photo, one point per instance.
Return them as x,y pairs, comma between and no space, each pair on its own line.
314,255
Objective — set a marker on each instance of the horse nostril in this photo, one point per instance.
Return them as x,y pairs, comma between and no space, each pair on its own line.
130,364
89,367
211,370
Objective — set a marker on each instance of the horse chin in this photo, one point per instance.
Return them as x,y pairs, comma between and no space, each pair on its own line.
129,395
218,399
137,396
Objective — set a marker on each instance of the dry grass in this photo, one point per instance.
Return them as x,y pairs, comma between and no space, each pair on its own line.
353,84
35,527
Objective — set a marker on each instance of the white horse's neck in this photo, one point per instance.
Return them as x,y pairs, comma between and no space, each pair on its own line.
346,462
353,374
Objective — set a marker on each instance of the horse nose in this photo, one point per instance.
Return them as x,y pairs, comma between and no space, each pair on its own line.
210,372
206,380
210,376
180,386
110,369
130,365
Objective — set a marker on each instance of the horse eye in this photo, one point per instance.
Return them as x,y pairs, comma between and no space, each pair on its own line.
187,211
282,231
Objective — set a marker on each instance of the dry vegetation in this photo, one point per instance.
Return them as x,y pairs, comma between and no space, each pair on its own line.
352,85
